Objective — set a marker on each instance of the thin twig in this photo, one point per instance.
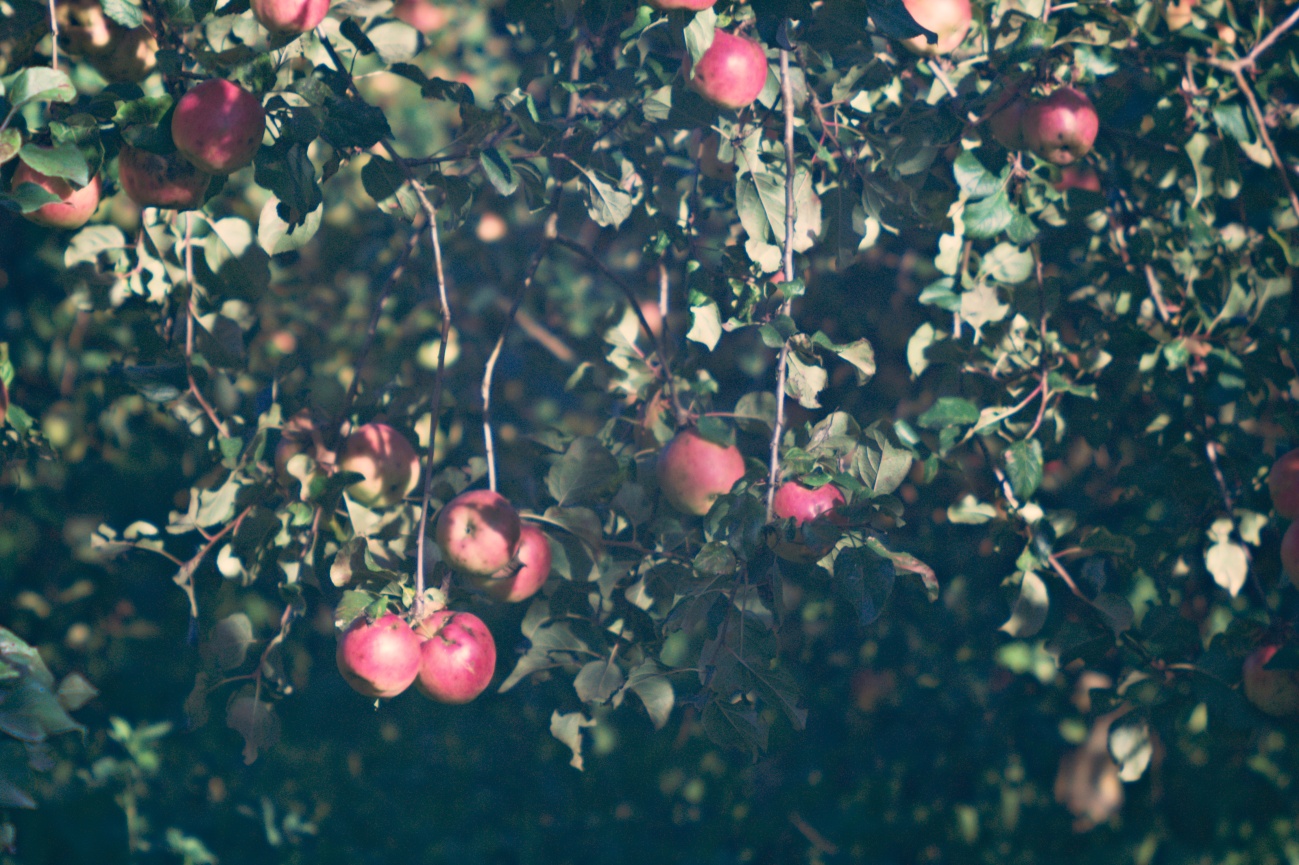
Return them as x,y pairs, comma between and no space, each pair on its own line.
617,280
1267,139
787,244
54,36
189,327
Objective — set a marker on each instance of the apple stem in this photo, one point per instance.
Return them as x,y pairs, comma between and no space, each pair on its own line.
787,248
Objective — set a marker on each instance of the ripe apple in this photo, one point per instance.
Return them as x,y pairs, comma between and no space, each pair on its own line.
290,16
1073,177
300,435
1283,484
1007,125
74,207
1275,692
950,19
804,504
732,71
379,658
218,125
151,180
387,460
424,16
705,149
521,579
1062,127
478,532
690,5
132,56
457,657
693,472
1290,553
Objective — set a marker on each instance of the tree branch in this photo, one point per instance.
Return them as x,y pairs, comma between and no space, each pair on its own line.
787,247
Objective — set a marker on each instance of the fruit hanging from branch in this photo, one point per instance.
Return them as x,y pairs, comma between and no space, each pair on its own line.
218,126
1275,692
523,577
693,471
732,71
478,532
74,207
1283,485
816,521
1062,127
154,180
290,16
457,657
950,19
380,658
388,462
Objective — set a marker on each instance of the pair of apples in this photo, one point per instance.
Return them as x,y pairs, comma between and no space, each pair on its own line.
449,656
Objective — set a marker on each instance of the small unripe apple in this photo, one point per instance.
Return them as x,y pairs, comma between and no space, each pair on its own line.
379,658
457,657
218,126
132,56
290,16
950,19
1283,484
1073,177
1275,692
151,180
74,207
693,472
1290,553
1062,127
689,5
1007,125
387,460
478,532
522,578
732,71
705,148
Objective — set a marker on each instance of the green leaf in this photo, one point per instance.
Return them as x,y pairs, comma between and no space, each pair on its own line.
227,646
735,725
499,170
988,217
40,84
598,681
584,473
883,466
124,12
804,380
354,123
949,411
1007,263
11,141
865,580
1031,608
699,33
1024,467
716,559
908,563
567,728
655,691
607,205
974,178
705,325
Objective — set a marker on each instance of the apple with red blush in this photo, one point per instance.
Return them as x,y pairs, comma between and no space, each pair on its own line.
457,657
75,205
693,471
218,126
379,658
732,71
478,532
157,180
524,577
387,461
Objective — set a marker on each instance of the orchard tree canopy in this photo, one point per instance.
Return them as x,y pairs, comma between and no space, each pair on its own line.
785,430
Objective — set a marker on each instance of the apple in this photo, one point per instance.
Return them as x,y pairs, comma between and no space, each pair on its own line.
689,5
387,460
1062,127
1007,125
1073,177
705,149
300,435
478,532
693,472
457,657
290,16
84,27
1275,692
132,56
218,125
424,16
74,207
950,19
379,658
732,71
1283,485
1290,553
522,578
152,180
804,504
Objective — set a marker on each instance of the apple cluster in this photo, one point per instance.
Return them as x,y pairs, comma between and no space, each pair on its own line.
1061,128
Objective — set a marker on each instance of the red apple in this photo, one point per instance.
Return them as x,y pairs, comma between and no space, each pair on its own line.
379,658
1062,127
74,207
1275,692
478,532
290,16
218,125
705,149
387,460
950,19
804,504
423,15
521,579
1283,484
690,5
1290,553
1073,177
151,180
1007,125
457,657
693,472
732,71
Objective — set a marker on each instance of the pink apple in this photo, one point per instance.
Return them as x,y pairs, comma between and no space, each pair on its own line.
457,657
950,19
1073,177
379,658
1283,484
423,15
521,579
803,503
732,71
1275,692
1062,127
387,460
689,5
151,180
218,126
693,472
290,16
478,532
1290,553
75,206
